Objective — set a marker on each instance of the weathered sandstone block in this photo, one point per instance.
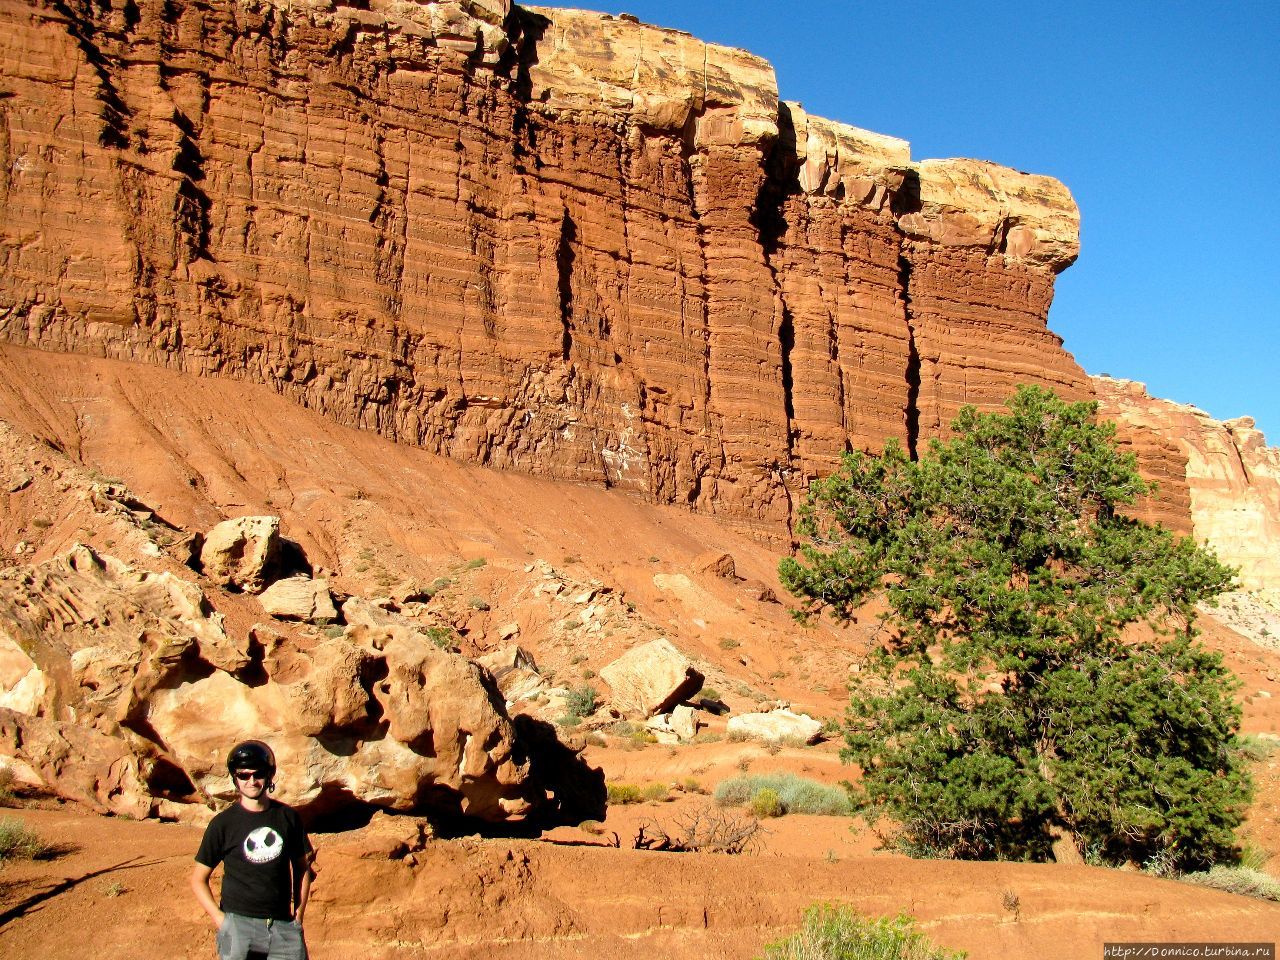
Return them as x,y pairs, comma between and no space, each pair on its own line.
121,688
776,725
299,598
240,552
651,679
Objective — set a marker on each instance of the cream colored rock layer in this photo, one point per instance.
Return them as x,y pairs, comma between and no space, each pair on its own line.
1232,475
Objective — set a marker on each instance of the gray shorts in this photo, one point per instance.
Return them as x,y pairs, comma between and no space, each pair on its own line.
275,939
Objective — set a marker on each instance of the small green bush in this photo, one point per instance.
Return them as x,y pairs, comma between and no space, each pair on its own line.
656,793
711,695
623,793
476,564
796,794
834,932
1241,880
478,603
580,701
19,843
728,643
766,803
1255,748
442,637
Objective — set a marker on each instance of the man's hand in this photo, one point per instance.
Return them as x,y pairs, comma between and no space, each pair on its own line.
204,896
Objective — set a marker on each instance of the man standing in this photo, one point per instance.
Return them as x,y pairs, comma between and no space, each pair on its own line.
266,859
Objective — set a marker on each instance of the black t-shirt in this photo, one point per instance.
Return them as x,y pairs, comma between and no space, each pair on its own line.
261,852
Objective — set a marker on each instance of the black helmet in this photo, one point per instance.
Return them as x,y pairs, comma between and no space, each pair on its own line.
251,755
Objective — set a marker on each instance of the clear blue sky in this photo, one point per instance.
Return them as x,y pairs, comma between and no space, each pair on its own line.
1161,117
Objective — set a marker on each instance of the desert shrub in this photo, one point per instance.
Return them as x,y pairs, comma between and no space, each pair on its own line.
19,843
1254,857
478,603
1241,880
710,694
655,793
702,830
795,794
442,637
1006,707
738,736
619,794
1255,748
728,643
766,803
832,932
580,702
476,564
591,826
692,785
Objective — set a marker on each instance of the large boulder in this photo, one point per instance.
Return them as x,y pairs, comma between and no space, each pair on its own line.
299,598
651,679
777,725
514,671
240,553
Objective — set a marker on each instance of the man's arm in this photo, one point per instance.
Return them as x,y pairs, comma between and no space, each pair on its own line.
204,895
302,873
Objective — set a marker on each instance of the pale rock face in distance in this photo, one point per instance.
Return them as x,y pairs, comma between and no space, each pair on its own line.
1223,471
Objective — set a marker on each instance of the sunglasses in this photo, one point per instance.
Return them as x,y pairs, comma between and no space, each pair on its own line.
245,775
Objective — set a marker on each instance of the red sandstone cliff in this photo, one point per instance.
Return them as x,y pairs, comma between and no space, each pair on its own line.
543,239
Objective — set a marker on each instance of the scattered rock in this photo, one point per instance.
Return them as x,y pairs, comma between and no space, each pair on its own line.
651,679
720,564
684,721
759,591
776,725
368,613
299,598
514,671
240,553
509,631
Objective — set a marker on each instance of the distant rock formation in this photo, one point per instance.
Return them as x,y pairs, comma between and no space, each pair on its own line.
1217,479
541,239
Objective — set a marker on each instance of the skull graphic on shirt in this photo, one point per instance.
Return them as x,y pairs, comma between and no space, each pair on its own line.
262,845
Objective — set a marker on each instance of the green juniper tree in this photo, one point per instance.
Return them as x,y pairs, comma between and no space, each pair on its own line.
1010,706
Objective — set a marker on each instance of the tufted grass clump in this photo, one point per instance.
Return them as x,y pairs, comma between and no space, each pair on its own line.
1242,880
620,794
19,843
795,794
831,932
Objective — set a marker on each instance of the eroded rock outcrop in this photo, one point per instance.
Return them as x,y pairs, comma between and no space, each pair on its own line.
1218,479
543,239
121,688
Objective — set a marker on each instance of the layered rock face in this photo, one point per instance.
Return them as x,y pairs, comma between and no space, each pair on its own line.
542,239
1217,479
